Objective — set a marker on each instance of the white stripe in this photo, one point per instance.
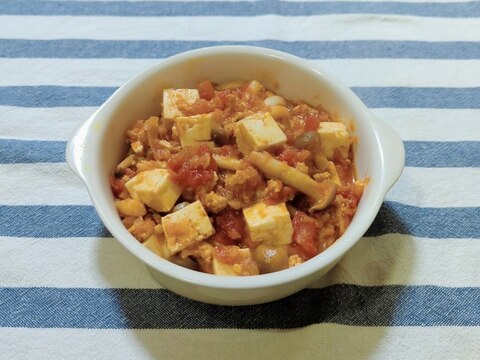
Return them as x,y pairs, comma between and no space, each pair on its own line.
103,263
319,341
404,72
41,123
437,187
55,184
411,124
41,184
359,72
303,28
70,262
396,259
433,124
71,72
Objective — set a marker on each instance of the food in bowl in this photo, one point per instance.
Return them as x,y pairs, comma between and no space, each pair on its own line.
96,147
233,179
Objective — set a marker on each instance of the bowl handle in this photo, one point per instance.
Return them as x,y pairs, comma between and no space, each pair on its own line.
75,150
393,152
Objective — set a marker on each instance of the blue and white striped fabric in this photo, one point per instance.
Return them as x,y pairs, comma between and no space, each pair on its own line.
410,289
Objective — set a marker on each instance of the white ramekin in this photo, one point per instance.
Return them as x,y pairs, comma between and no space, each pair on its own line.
99,144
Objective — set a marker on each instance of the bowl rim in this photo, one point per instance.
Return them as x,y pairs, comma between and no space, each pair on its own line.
322,260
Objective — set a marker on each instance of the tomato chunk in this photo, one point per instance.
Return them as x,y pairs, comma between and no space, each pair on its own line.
229,227
305,233
227,150
206,90
117,185
286,193
352,193
294,156
312,122
193,167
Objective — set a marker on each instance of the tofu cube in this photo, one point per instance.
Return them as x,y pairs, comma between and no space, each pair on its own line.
269,224
244,264
154,189
258,132
334,135
158,245
173,99
193,129
186,227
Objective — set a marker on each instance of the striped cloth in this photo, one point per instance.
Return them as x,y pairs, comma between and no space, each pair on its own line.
410,289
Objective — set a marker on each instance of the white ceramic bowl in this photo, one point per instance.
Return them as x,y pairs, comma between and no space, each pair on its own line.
99,144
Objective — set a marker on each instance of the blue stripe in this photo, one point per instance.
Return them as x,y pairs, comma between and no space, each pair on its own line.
82,221
51,221
394,305
361,49
54,96
374,97
441,223
442,154
418,153
241,8
28,152
406,97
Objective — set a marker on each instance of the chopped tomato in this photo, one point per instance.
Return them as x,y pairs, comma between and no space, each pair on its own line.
345,168
117,185
290,134
130,173
193,167
295,249
159,153
294,156
305,233
353,193
276,197
232,222
229,227
228,151
225,98
200,106
312,122
206,90
221,237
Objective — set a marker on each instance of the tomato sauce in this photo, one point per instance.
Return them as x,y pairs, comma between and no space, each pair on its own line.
193,167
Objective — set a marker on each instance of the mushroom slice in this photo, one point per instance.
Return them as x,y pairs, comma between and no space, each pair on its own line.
323,193
329,192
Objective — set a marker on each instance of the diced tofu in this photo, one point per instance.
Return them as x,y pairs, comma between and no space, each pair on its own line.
294,260
130,207
203,255
244,265
137,147
334,135
157,244
269,224
258,132
155,189
172,98
192,129
186,227
158,228
255,86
